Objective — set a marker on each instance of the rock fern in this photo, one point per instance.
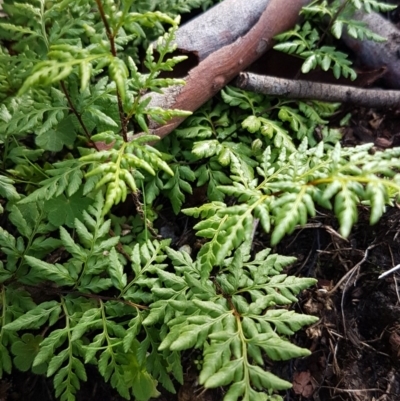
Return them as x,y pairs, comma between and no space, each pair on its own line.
322,19
83,281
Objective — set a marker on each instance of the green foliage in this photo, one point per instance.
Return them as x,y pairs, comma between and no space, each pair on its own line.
89,329
117,169
101,112
83,281
234,319
25,351
333,18
289,186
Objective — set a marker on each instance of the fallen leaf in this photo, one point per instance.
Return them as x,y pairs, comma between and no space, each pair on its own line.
302,384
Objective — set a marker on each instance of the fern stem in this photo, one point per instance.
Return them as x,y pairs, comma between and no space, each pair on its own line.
78,115
110,35
111,38
243,341
331,22
99,298
361,180
43,25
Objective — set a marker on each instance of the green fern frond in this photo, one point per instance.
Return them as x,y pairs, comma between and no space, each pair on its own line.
65,177
372,5
118,169
293,184
72,148
304,40
234,335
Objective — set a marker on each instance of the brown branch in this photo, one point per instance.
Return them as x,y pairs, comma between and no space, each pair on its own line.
297,89
221,66
220,26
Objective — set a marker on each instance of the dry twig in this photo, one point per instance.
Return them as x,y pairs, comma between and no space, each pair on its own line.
298,89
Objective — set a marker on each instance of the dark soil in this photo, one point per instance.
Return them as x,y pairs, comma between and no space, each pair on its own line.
356,343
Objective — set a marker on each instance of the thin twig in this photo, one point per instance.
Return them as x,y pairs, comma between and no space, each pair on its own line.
329,229
364,343
343,390
351,272
349,275
392,270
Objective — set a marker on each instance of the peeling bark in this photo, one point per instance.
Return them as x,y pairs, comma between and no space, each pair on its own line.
222,25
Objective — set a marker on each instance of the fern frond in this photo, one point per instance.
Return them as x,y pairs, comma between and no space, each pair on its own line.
66,177
292,185
118,169
234,334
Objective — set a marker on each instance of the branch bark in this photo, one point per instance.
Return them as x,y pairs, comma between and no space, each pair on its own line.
220,26
238,51
298,89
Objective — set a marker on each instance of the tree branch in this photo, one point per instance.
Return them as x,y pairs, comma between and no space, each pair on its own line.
297,89
238,51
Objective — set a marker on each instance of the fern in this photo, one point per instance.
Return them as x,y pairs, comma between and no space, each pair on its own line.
305,40
51,122
290,187
228,328
120,173
304,45
85,282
